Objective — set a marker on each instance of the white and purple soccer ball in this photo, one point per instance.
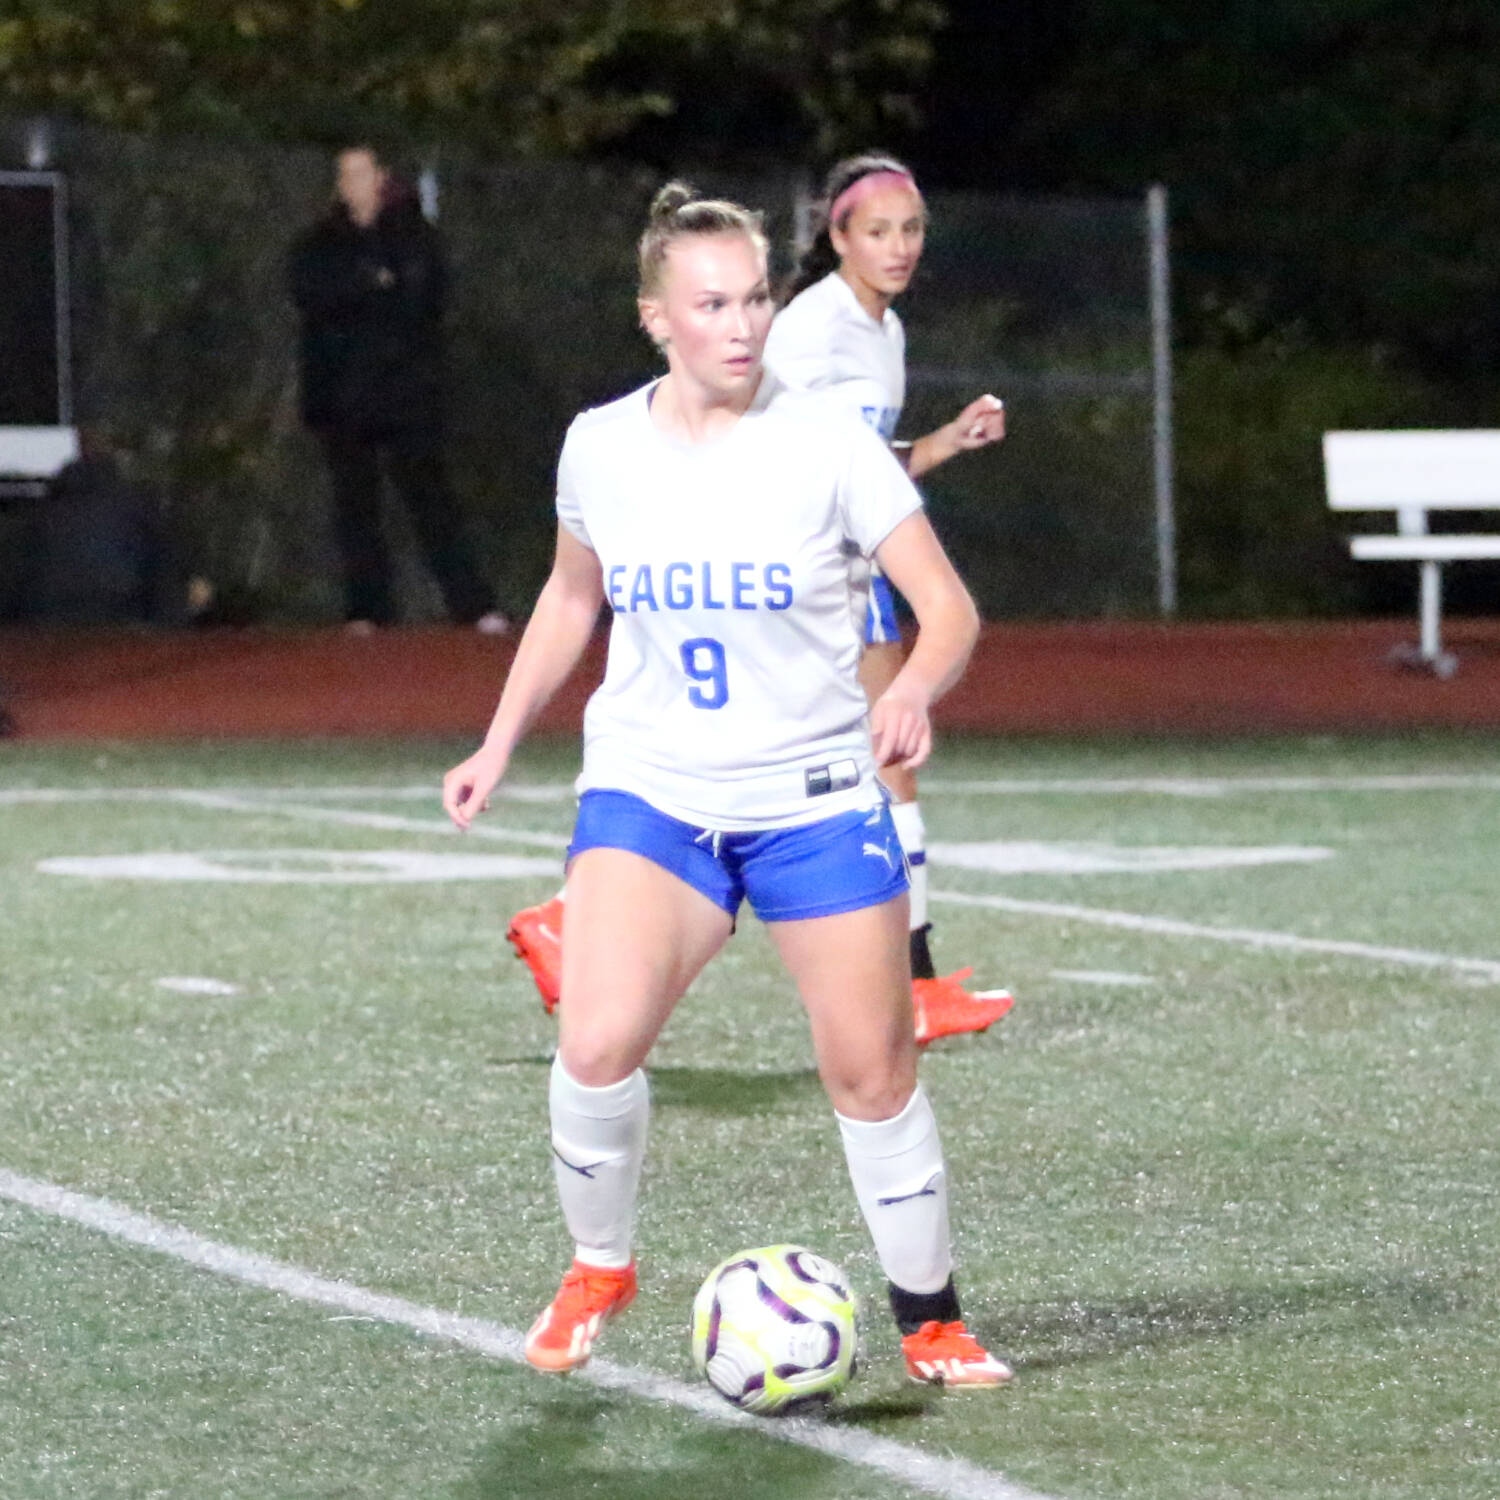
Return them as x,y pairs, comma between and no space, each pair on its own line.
775,1329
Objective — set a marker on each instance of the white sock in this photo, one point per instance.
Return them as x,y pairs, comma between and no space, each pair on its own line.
896,1166
598,1142
907,816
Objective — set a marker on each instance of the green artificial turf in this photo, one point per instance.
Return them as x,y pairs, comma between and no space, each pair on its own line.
1231,1212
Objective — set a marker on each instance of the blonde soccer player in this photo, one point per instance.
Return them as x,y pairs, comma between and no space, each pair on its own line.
730,755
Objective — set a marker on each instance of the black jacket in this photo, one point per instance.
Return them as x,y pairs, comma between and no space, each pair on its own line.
372,310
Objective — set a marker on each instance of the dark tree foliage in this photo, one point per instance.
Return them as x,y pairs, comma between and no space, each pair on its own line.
1335,166
500,77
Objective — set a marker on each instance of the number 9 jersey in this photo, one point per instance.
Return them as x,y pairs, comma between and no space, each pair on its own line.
735,570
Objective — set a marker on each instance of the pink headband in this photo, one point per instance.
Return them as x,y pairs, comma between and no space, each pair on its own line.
867,184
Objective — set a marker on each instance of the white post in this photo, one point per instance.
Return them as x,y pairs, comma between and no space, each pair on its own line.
427,193
1432,610
39,145
804,200
63,303
1161,388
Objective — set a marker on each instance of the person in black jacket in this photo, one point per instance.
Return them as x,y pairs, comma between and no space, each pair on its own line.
368,279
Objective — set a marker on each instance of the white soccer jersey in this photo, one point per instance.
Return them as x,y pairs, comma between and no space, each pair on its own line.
731,698
824,340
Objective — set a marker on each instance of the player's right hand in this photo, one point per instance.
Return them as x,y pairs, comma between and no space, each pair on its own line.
467,787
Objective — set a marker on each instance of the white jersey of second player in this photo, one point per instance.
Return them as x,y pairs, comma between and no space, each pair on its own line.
731,698
824,340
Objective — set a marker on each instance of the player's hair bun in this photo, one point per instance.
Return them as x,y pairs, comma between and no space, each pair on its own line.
677,210
670,199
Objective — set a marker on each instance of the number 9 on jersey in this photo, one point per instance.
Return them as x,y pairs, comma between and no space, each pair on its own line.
703,661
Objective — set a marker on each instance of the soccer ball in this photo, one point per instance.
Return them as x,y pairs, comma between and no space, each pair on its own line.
774,1329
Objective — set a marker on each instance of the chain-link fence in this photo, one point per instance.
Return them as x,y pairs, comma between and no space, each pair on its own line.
1045,303
184,358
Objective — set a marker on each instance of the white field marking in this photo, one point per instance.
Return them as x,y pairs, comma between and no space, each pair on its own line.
538,792
1484,969
190,984
1018,786
1208,786
507,791
929,1473
1103,976
350,818
270,803
300,866
1036,857
46,796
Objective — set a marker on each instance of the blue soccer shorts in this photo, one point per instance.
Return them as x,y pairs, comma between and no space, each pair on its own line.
880,616
838,864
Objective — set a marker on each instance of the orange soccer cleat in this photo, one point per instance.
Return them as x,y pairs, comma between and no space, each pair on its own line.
536,935
945,1008
562,1338
948,1354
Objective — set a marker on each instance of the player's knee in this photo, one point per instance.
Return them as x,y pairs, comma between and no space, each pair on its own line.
873,1093
597,1062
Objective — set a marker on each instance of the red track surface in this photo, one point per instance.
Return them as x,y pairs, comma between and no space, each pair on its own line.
1075,678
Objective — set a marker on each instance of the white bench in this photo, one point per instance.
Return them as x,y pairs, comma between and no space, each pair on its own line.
1414,473
31,456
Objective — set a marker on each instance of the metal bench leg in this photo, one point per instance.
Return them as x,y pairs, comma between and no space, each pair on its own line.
1432,610
1441,662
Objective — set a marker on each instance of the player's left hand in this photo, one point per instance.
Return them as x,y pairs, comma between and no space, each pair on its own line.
900,730
979,424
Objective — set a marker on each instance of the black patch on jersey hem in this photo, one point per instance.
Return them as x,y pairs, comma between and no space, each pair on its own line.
838,776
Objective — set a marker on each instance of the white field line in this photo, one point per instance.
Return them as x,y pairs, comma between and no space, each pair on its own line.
1015,786
507,791
272,805
1482,968
1246,937
517,792
1206,786
350,818
930,1474
51,796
